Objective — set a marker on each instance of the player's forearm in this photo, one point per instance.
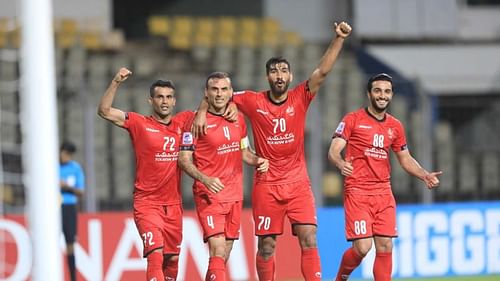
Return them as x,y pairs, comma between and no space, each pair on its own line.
330,57
189,168
107,99
326,64
412,167
250,158
336,159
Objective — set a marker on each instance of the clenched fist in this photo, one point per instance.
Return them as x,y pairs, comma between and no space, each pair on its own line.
342,29
122,75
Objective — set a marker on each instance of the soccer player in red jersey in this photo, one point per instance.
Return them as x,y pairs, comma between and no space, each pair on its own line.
370,209
157,194
278,119
214,160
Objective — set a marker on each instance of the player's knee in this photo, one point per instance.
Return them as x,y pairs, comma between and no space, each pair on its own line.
266,247
218,251
306,236
362,247
171,258
383,245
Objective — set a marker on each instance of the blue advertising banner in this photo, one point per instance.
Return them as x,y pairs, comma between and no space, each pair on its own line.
447,239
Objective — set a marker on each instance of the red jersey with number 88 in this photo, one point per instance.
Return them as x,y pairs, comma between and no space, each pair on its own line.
368,143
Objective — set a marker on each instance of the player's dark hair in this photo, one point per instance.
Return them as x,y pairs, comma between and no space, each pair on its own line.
68,147
378,77
161,84
274,61
216,75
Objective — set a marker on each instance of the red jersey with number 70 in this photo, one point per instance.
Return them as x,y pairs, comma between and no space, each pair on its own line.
156,146
278,132
368,143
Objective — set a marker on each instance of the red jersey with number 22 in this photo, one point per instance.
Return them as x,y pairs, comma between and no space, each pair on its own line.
156,146
278,131
368,144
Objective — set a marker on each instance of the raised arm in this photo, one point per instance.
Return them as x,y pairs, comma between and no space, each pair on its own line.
185,161
105,109
335,156
326,63
412,167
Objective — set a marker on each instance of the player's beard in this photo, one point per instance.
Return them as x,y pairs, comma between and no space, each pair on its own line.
376,107
277,90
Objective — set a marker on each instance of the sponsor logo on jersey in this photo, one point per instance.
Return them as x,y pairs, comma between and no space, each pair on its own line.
228,147
286,138
340,128
152,130
365,127
262,112
187,138
166,156
211,126
376,153
290,111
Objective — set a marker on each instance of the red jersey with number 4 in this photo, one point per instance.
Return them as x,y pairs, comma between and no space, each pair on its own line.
368,144
156,146
218,154
278,132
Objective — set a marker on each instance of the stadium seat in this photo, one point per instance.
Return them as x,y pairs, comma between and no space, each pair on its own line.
114,40
159,25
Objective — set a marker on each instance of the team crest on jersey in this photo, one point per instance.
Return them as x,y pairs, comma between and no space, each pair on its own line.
290,111
340,128
187,138
390,133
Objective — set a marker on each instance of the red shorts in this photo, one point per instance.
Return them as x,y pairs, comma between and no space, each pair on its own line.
160,226
369,215
271,203
219,218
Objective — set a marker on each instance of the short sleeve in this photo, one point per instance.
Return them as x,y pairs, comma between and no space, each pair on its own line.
187,139
399,143
344,128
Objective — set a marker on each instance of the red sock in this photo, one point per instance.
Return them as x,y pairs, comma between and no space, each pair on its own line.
216,269
170,269
265,268
350,260
382,268
155,260
310,264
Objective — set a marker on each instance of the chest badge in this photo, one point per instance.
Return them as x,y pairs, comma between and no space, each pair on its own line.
290,110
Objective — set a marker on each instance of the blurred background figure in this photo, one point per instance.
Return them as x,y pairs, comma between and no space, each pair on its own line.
72,185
